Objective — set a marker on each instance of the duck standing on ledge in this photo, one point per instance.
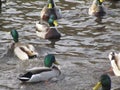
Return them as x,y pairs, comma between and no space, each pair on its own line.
22,51
46,73
49,9
97,8
105,83
48,30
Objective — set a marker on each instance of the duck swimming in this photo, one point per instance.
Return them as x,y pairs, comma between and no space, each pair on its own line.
105,83
48,30
46,73
115,62
50,9
97,8
22,51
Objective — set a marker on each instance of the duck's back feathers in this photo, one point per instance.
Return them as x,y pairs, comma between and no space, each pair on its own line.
38,69
44,15
25,52
115,62
115,68
42,27
20,54
117,59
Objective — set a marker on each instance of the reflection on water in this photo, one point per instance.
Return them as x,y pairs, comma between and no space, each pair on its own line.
83,37
52,43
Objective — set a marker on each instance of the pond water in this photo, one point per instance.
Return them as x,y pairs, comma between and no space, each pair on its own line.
82,50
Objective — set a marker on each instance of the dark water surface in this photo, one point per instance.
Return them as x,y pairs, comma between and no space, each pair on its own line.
82,50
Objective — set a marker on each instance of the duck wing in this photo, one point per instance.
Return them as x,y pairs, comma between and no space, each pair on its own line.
117,60
115,68
29,50
44,13
33,74
37,70
58,13
42,27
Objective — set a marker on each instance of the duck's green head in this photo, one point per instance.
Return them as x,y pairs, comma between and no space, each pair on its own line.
51,4
52,21
15,35
49,60
105,83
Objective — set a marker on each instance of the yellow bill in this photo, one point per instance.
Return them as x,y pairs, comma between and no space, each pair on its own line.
101,1
97,86
56,63
55,23
49,5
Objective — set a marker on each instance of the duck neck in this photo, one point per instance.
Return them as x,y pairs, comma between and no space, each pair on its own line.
51,25
50,21
16,40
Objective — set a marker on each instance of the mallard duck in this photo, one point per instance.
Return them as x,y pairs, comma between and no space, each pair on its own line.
97,8
115,62
46,73
22,51
49,9
46,31
105,83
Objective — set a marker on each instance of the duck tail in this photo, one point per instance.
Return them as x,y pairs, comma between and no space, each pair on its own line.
25,77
